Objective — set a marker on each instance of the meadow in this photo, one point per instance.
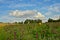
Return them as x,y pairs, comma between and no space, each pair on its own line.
33,31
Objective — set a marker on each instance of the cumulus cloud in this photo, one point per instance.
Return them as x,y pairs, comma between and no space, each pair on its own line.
23,14
27,14
39,15
56,17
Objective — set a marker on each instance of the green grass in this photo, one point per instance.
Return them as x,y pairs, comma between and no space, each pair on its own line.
30,32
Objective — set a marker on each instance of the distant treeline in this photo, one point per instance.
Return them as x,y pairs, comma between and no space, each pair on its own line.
33,21
27,21
51,20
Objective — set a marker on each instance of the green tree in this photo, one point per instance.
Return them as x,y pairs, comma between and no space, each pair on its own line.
50,20
32,21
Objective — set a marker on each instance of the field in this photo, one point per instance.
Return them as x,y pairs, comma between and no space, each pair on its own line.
34,31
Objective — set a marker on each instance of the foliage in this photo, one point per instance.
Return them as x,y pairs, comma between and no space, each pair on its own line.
47,31
51,20
33,21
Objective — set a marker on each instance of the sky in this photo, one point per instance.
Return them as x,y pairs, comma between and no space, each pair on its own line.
20,10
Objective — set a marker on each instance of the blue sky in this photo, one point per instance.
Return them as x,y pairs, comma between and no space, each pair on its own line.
24,8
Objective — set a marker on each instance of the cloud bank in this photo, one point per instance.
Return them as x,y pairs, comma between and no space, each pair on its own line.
56,17
27,14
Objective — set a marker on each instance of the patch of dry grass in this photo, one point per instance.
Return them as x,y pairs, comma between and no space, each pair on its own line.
2,24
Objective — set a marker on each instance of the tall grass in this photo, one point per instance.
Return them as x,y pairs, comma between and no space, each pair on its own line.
30,32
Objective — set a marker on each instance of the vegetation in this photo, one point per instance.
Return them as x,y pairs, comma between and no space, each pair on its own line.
51,20
35,30
32,21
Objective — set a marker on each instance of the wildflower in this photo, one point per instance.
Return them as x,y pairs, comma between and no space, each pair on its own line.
39,23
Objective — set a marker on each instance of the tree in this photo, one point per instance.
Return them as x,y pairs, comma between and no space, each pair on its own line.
26,21
15,22
38,21
50,20
1,22
58,20
32,21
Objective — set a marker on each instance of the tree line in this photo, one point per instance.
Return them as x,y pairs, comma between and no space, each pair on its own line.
51,20
33,21
27,21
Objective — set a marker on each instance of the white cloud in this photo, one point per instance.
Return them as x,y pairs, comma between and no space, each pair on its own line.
39,15
56,17
10,19
23,14
18,15
32,14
